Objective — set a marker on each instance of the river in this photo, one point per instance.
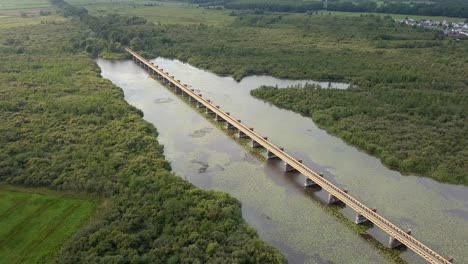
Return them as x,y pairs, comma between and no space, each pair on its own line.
293,219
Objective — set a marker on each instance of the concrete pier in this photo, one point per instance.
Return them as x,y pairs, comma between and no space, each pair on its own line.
332,199
271,155
393,242
255,144
191,99
309,183
241,134
209,111
230,126
360,219
288,167
200,105
219,118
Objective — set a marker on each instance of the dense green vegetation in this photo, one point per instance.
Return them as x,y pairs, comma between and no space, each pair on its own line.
64,127
451,8
411,130
35,223
410,105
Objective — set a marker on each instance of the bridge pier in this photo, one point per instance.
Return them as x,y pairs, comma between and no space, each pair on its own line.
200,105
332,199
271,155
288,168
255,144
191,99
219,118
393,242
209,111
360,219
309,183
241,134
229,126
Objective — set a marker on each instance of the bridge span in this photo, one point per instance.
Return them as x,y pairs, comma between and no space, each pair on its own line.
397,236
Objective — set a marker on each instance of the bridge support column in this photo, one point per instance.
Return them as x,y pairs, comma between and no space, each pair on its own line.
271,155
229,126
219,119
209,112
200,105
393,242
332,199
191,99
288,167
255,144
241,134
309,183
360,219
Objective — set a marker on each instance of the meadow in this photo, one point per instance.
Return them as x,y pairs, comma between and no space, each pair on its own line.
24,4
26,13
160,12
36,222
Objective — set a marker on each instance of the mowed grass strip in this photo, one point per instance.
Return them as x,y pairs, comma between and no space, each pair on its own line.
34,225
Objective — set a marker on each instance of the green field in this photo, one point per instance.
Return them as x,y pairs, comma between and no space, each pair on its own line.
23,4
160,13
35,223
397,16
26,13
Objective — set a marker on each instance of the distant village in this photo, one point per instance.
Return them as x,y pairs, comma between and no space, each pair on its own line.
451,29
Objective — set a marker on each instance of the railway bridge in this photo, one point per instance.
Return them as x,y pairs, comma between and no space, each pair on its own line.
397,236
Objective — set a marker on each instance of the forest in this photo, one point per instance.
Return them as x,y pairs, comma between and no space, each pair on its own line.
451,8
67,129
413,131
408,84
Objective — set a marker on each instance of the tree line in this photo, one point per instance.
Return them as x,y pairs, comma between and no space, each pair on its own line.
451,8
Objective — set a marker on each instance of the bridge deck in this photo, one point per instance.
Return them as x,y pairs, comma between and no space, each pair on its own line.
391,229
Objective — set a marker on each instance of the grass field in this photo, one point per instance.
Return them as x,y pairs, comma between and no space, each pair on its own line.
397,16
21,4
35,223
163,13
26,13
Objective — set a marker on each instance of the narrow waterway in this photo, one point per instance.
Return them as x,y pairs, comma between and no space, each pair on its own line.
287,215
